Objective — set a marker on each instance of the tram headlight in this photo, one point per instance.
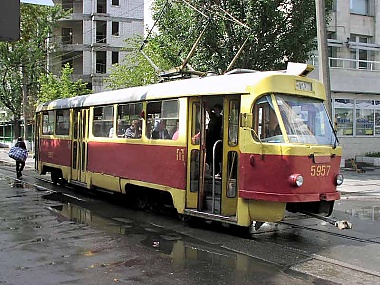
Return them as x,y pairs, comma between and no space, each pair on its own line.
339,179
296,180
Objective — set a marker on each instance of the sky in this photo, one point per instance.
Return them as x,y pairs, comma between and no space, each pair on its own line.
41,2
147,16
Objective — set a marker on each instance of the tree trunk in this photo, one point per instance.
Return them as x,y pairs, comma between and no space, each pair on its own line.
16,128
25,102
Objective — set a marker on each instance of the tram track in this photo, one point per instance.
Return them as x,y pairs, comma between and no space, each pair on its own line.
309,262
331,233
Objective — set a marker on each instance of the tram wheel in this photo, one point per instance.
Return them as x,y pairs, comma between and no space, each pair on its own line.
142,201
55,177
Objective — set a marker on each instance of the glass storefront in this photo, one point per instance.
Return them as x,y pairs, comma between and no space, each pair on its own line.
357,117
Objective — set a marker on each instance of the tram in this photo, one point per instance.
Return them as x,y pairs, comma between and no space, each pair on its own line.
275,151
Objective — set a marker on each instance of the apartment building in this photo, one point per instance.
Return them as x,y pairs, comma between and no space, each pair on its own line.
92,37
354,60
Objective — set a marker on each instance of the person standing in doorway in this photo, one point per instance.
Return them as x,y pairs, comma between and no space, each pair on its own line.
20,164
213,134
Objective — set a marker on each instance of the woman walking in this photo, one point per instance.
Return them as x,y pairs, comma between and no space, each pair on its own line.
20,164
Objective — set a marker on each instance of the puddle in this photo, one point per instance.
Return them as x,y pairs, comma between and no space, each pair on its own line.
182,249
365,213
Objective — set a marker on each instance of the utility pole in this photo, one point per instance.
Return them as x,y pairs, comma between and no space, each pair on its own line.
324,71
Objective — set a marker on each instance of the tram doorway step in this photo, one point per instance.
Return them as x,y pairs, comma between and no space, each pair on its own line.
210,216
209,203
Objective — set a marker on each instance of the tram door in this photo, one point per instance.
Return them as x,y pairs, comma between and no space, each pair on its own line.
79,145
196,154
213,189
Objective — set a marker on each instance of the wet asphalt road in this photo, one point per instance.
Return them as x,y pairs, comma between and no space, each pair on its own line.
47,237
40,244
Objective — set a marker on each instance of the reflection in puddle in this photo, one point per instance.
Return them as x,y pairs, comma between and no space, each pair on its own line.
182,249
18,184
365,213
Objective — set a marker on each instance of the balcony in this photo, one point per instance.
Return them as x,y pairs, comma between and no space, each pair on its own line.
347,63
350,75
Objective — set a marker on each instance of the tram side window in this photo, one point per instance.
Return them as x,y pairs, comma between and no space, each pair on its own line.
196,124
129,121
62,121
102,121
48,123
162,119
266,123
233,123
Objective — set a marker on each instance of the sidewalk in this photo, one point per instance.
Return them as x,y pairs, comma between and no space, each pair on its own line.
4,157
368,182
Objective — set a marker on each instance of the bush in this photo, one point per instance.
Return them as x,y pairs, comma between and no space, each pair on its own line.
373,154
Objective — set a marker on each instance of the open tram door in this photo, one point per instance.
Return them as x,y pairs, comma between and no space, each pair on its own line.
79,145
212,168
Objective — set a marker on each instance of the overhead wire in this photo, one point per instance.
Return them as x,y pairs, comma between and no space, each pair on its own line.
229,17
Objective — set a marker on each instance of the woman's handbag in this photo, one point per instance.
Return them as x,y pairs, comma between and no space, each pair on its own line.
18,153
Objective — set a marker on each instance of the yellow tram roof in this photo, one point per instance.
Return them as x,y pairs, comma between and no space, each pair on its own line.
211,85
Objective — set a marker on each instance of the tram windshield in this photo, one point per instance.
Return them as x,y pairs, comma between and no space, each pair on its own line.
305,120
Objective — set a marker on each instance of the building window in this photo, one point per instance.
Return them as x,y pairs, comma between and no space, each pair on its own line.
360,7
364,117
101,32
115,57
344,116
115,28
332,50
100,62
67,5
115,2
67,36
101,6
357,117
67,59
359,52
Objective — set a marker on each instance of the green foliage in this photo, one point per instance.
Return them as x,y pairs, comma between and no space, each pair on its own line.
22,62
373,154
52,87
277,31
135,69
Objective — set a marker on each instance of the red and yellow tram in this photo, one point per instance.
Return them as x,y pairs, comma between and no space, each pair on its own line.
276,149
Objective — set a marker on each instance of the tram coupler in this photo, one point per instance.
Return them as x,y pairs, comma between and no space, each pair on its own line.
339,224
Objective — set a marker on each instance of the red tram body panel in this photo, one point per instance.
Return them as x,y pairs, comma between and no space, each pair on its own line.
268,178
154,164
276,149
55,151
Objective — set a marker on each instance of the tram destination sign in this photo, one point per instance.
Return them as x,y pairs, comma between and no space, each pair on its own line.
304,85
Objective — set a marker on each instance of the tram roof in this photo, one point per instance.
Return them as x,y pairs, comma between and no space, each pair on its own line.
212,85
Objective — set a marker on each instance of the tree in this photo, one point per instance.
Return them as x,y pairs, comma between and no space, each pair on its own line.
276,31
53,87
135,69
22,62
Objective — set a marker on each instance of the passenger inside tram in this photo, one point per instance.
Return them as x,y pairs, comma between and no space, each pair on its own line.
160,131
